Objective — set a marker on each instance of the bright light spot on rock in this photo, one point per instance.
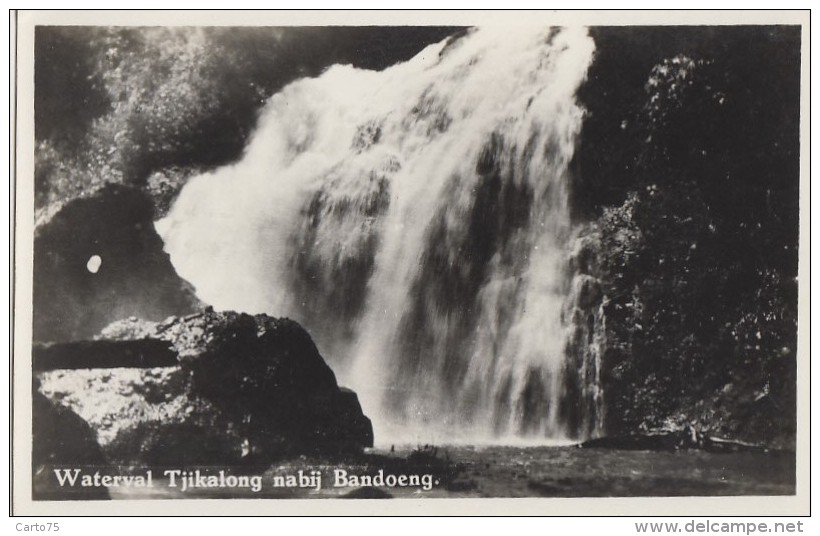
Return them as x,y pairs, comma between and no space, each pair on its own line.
94,263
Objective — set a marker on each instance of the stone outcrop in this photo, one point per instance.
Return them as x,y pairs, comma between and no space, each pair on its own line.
130,274
246,389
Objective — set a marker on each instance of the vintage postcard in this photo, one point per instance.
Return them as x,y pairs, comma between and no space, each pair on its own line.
465,262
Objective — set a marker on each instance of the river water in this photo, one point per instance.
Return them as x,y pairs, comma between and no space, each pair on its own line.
496,471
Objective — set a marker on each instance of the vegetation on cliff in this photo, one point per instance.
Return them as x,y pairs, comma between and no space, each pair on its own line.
688,171
121,104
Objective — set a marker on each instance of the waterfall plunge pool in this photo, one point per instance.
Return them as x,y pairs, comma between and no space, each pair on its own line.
506,471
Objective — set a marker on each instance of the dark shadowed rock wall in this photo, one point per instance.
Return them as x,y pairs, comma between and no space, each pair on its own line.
687,179
135,277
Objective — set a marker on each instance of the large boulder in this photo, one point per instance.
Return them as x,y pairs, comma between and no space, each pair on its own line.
246,389
145,416
97,259
61,438
266,374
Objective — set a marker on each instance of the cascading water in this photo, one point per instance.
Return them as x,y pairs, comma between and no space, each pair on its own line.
415,220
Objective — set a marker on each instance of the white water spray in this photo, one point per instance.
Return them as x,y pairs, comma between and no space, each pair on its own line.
415,221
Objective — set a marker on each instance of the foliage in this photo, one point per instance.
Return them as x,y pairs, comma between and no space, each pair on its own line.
116,104
174,96
699,256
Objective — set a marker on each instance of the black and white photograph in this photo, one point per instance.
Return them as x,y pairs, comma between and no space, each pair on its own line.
533,258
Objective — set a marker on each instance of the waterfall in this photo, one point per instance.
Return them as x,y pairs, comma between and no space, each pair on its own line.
416,222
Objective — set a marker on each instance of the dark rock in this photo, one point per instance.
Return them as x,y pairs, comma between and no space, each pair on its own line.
146,416
584,258
589,293
61,439
266,375
143,353
348,422
135,276
206,440
246,389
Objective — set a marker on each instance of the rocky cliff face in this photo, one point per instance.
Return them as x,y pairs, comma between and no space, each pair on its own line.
245,389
